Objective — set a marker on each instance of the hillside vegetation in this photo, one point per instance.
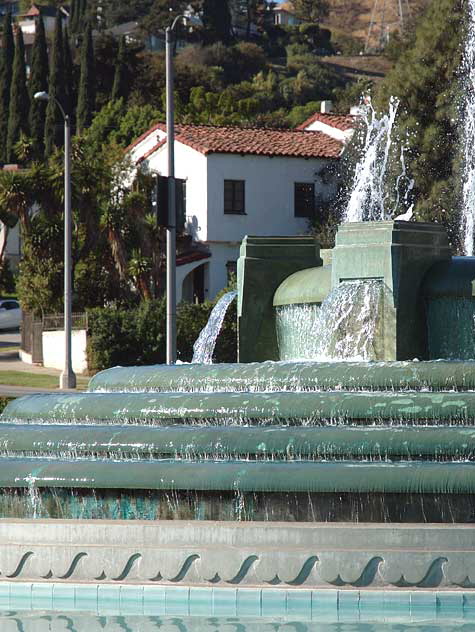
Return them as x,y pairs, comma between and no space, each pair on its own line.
353,17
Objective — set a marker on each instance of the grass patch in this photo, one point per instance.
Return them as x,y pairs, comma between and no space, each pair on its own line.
9,349
36,380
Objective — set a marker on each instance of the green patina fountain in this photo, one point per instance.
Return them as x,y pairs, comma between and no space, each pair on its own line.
352,403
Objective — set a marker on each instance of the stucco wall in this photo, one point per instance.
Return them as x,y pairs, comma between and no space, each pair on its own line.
218,274
190,165
269,195
13,250
269,199
334,132
53,350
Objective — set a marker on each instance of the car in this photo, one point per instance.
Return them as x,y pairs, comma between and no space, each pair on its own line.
10,313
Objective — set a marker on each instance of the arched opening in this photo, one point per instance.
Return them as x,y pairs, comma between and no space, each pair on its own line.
194,284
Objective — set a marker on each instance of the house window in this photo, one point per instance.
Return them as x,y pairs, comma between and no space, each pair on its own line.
234,193
304,199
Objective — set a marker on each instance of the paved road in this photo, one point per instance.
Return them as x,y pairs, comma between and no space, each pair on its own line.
9,338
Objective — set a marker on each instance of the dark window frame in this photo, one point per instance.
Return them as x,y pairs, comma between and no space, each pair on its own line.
304,201
234,198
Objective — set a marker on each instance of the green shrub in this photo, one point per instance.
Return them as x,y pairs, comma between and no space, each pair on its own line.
137,336
7,280
347,45
4,401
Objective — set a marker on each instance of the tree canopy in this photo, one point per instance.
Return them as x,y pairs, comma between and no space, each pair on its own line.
425,79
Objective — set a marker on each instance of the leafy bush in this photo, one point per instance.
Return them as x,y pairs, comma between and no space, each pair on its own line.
239,62
298,49
347,45
137,336
301,113
7,280
4,401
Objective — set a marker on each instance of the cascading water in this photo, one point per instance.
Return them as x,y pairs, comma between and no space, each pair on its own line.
455,342
370,198
468,139
203,348
349,319
345,327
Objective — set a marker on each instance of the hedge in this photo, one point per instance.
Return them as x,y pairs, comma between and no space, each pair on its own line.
137,336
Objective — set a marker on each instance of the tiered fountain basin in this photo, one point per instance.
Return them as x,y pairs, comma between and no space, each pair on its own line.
299,461
280,475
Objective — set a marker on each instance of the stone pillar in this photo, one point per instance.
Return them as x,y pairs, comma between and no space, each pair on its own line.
399,253
263,264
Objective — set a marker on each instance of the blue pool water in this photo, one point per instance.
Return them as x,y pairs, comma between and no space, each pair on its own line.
22,621
117,607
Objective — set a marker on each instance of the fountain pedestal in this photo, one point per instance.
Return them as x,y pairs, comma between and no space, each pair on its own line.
400,254
263,264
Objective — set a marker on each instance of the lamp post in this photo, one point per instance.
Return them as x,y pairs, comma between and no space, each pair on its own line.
171,229
67,378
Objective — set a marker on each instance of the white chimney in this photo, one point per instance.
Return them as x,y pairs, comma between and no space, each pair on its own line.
326,107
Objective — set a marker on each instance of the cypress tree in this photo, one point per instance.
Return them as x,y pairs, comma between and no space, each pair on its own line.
87,83
54,120
120,87
81,20
426,80
217,19
38,83
6,69
69,83
19,99
72,16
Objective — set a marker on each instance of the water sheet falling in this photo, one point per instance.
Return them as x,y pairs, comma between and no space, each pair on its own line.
347,326
350,321
203,348
468,139
456,342
370,198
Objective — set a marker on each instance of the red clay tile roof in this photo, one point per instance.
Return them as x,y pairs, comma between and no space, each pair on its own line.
183,259
343,122
285,6
144,136
33,10
152,150
209,139
47,11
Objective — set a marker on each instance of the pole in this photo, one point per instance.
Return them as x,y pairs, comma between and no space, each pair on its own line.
171,229
67,378
401,16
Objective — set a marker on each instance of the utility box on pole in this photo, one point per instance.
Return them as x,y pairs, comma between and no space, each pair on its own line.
161,202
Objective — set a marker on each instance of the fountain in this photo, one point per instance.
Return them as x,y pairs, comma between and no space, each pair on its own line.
335,459
376,193
468,135
203,348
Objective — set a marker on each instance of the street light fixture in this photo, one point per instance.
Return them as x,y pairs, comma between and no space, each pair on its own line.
67,378
171,229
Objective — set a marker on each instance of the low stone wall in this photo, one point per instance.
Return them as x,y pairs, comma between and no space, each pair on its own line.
224,554
53,350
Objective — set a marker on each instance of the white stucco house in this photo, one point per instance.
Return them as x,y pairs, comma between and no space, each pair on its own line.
338,126
10,244
237,182
284,15
27,21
